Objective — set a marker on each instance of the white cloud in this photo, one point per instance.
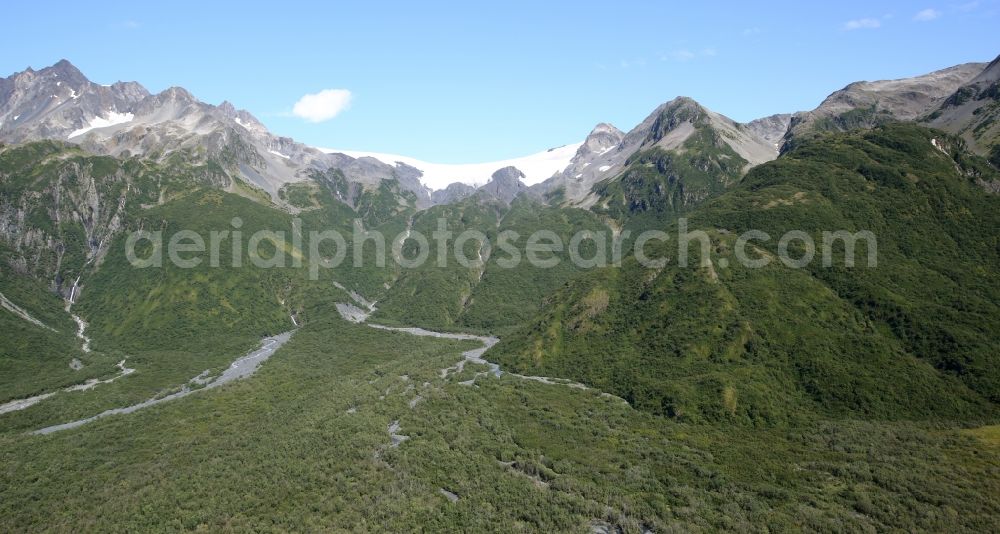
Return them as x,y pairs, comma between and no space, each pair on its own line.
322,106
129,24
684,54
862,24
926,15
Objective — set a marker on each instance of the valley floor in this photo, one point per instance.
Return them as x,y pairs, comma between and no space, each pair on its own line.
352,428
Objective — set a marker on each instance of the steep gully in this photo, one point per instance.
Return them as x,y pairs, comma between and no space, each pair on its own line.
241,368
75,364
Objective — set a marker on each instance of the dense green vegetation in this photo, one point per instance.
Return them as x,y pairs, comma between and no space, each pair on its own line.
132,308
384,203
913,338
169,323
854,119
833,399
284,451
35,359
659,183
504,289
507,296
430,295
302,195
63,201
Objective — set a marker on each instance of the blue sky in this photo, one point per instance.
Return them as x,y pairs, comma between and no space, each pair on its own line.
460,82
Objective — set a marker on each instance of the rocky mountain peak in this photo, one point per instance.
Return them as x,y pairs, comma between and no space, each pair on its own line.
133,91
605,129
682,108
179,94
64,68
505,184
668,128
671,123
63,71
453,193
507,175
227,109
601,139
990,74
972,111
684,101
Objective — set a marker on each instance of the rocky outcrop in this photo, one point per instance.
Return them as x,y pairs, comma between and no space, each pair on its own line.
453,193
771,128
869,104
504,185
68,218
973,112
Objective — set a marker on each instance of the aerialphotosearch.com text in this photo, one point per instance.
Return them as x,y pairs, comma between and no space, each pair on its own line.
320,250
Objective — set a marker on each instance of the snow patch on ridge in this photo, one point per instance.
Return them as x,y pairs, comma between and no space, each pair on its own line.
114,118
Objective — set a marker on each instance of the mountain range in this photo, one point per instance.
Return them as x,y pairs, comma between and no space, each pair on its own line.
124,119
856,394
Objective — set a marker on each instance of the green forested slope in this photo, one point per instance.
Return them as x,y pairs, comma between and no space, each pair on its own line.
509,294
758,399
914,337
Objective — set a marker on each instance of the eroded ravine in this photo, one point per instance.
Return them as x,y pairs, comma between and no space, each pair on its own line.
75,363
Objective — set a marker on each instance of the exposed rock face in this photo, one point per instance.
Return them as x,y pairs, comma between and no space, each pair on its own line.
589,165
868,104
67,219
453,193
602,138
409,180
606,152
124,119
973,111
673,123
505,185
771,128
